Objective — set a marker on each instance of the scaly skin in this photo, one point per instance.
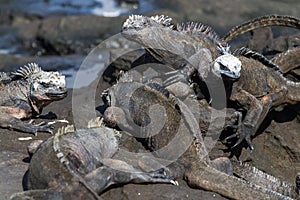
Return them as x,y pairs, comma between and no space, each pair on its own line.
288,60
79,164
189,48
136,114
267,20
261,87
25,92
254,175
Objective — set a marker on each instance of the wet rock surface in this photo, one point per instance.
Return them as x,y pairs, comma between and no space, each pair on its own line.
60,42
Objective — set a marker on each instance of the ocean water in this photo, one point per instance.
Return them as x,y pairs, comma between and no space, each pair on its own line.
108,8
48,8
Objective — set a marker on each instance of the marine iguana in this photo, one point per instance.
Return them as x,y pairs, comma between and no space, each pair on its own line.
25,92
80,164
158,32
189,48
261,87
150,113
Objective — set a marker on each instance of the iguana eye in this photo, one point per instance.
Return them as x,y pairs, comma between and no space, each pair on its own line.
45,84
223,67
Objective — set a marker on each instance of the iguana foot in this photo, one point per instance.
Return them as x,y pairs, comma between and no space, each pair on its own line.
40,127
37,194
27,127
168,77
123,176
160,176
175,76
44,126
244,131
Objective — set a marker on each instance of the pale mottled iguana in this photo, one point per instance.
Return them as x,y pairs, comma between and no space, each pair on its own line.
25,92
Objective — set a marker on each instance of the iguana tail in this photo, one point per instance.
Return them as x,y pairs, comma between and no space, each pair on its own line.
208,178
256,176
288,60
293,91
267,20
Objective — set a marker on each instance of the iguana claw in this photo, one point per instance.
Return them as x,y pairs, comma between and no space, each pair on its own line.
176,76
243,132
41,127
168,77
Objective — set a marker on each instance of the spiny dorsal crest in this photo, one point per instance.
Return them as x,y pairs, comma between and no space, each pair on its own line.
270,182
264,176
95,123
65,130
4,78
27,70
134,21
157,87
257,56
98,123
140,21
124,77
199,29
3,75
163,20
61,131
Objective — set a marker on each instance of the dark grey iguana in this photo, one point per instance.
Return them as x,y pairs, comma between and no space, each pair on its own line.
166,126
261,87
255,176
80,164
189,48
178,47
25,92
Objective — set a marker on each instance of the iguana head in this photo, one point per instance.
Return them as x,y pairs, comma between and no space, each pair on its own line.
143,30
228,66
44,87
134,26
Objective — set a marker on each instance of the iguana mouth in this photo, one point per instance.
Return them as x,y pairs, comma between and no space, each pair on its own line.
57,94
231,76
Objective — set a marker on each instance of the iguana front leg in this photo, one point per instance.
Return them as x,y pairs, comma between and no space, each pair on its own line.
120,172
252,120
17,124
256,113
201,175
